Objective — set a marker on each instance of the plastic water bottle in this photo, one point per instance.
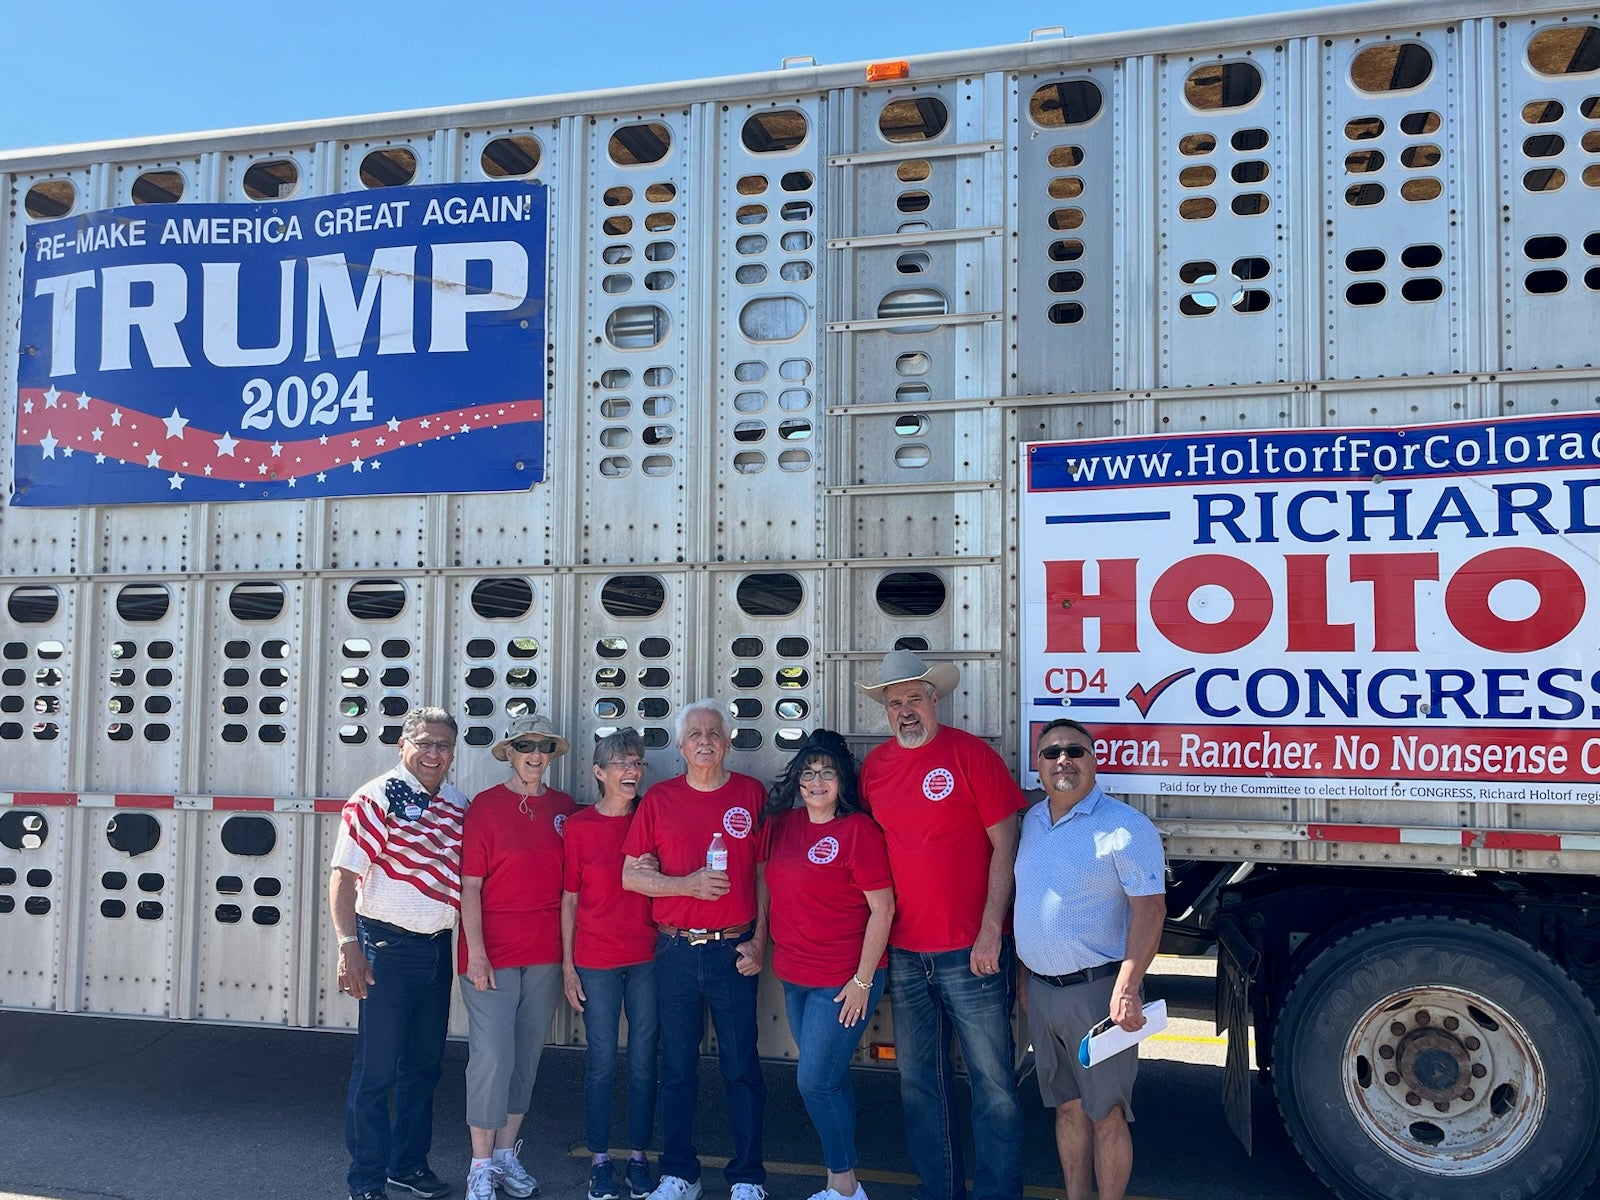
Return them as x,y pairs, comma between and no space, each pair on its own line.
717,854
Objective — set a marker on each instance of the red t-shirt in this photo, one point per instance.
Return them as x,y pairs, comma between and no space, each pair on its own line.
935,804
614,926
675,823
518,854
817,875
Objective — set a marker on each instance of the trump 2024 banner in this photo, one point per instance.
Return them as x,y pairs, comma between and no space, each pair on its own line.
1343,613
354,345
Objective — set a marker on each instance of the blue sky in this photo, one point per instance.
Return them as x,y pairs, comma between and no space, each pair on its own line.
92,70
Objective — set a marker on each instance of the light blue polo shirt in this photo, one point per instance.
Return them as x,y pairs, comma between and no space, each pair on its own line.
1074,877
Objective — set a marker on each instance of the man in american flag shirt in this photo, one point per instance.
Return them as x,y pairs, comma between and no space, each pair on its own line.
395,892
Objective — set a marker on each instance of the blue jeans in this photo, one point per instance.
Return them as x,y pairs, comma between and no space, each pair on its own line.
606,993
688,980
934,995
399,1044
823,1072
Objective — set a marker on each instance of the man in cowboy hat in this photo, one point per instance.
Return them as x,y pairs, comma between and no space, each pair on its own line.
948,807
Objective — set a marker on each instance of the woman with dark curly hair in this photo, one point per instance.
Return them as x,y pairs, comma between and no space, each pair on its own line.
826,871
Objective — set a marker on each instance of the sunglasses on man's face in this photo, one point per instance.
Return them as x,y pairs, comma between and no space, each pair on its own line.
533,746
1071,750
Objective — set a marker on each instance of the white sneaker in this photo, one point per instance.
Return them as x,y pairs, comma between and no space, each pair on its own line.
510,1176
673,1188
830,1194
480,1183
749,1191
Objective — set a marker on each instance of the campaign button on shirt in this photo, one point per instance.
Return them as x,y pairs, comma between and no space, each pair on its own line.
738,822
938,783
824,851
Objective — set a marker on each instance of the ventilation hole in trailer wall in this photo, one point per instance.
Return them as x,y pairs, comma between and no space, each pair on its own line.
638,327
774,131
271,179
1419,124
1364,162
635,145
1391,67
1565,50
1366,293
502,598
633,595
913,119
33,604
50,198
911,593
374,600
390,166
256,601
751,185
133,833
157,187
1065,102
1361,129
769,594
1195,177
21,829
141,603
1363,195
510,157
1545,179
1222,85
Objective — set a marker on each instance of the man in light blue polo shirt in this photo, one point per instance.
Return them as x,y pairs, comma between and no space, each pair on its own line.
1091,883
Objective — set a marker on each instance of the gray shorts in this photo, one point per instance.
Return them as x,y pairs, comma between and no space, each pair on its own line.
1058,1017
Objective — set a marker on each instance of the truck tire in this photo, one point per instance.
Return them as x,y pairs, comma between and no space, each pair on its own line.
1436,1057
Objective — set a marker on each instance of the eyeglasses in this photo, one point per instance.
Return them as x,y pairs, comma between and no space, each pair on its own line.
826,774
1071,750
625,764
436,747
534,746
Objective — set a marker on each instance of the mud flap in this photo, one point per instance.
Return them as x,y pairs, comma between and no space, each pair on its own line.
1237,963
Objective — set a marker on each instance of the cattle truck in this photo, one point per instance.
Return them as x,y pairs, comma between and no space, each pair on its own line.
1230,387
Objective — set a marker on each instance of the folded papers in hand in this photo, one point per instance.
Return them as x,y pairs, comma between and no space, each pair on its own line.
1108,1038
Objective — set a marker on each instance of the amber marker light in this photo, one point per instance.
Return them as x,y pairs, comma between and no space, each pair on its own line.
880,1051
881,72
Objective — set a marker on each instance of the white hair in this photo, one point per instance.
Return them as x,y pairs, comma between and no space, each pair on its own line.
707,705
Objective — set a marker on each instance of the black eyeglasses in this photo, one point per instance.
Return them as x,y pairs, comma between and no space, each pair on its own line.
1071,750
533,746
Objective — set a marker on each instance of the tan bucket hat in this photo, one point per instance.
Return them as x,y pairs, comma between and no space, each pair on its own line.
530,725
903,666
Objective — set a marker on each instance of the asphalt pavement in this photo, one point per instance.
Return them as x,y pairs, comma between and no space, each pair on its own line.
100,1108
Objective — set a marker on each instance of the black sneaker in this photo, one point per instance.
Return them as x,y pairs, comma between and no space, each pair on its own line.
639,1182
603,1182
422,1182
370,1194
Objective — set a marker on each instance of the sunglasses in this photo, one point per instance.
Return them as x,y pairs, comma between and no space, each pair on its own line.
1071,750
533,746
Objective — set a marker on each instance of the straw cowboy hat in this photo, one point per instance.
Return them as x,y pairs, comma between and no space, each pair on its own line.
902,666
530,725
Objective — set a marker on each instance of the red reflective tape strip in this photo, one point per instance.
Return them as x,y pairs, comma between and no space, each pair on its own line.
1388,835
1520,841
329,806
243,803
125,800
43,799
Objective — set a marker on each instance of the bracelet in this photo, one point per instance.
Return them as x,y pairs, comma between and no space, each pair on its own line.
865,987
346,940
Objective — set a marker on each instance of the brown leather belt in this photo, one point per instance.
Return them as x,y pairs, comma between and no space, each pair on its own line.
1087,975
699,937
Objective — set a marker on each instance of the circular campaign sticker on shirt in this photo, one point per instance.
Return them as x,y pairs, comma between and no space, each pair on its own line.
938,783
824,851
738,822
561,824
